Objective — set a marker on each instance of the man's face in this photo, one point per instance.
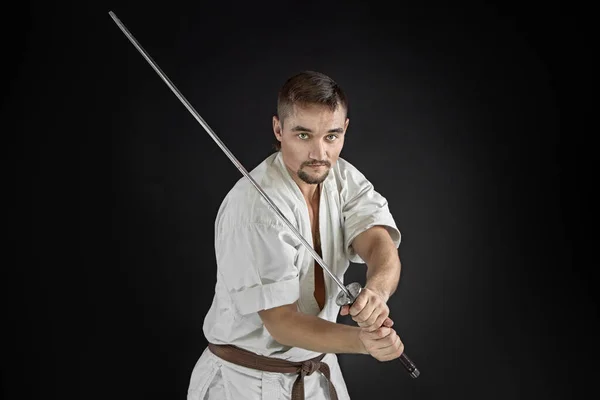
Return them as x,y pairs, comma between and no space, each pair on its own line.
311,139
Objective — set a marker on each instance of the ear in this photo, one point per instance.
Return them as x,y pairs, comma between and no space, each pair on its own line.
346,124
277,128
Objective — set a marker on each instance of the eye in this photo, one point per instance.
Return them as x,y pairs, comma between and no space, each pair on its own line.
331,138
303,136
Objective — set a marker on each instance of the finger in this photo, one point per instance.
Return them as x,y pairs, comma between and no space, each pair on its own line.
375,335
400,347
380,320
385,343
385,355
365,313
378,334
369,322
344,310
362,318
377,317
394,351
389,345
372,326
360,303
388,322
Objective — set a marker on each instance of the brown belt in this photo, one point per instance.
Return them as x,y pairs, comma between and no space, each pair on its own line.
248,359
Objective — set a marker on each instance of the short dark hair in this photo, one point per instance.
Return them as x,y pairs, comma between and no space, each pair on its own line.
308,88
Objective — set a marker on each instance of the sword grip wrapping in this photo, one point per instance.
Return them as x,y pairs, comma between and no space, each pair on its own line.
409,365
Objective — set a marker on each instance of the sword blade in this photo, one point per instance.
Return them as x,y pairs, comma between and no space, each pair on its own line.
239,166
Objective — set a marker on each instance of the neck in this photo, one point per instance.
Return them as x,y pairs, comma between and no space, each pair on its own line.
310,192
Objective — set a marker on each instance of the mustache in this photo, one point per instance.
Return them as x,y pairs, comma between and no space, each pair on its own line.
315,163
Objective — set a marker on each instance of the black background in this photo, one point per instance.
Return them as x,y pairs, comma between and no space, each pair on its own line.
469,119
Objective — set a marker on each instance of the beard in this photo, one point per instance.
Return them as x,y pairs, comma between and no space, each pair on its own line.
312,179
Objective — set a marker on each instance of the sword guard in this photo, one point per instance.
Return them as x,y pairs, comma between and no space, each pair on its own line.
343,299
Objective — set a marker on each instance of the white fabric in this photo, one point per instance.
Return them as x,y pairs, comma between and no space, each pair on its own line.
216,379
261,264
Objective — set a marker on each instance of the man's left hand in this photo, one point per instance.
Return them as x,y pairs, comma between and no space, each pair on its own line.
369,310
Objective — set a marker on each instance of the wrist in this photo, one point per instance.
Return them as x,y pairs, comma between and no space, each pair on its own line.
384,294
360,346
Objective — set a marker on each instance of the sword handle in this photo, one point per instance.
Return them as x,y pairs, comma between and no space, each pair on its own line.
343,299
409,365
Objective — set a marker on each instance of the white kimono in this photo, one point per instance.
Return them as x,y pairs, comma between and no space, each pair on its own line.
261,264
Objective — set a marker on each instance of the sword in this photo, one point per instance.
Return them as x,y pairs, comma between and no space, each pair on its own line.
348,293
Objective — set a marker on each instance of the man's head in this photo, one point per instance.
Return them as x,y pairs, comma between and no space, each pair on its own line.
310,125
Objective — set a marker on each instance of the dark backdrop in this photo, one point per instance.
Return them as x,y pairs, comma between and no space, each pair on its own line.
468,119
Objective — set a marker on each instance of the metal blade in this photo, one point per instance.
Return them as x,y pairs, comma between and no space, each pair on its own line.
228,153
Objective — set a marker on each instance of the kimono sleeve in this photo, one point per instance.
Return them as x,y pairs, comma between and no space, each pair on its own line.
364,208
256,263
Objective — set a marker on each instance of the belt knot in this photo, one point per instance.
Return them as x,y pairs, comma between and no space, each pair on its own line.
308,367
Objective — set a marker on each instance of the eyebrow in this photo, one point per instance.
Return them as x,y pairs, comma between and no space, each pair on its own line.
299,128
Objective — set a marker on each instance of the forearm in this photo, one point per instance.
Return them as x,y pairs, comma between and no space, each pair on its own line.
383,268
309,332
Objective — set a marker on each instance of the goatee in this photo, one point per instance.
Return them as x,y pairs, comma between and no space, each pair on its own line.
313,180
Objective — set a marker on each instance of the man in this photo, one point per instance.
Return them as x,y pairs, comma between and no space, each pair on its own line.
274,307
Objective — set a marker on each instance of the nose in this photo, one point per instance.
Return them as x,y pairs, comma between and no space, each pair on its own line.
318,152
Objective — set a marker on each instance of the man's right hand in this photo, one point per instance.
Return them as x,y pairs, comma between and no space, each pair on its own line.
383,344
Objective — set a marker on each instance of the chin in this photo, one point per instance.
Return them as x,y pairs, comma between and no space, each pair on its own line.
315,179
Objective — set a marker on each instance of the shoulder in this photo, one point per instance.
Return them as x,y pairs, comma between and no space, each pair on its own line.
244,205
346,170
348,178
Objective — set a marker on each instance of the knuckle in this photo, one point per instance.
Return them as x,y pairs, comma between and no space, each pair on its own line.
362,299
356,306
356,309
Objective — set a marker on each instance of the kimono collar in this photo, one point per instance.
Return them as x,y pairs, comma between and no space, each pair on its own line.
292,185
